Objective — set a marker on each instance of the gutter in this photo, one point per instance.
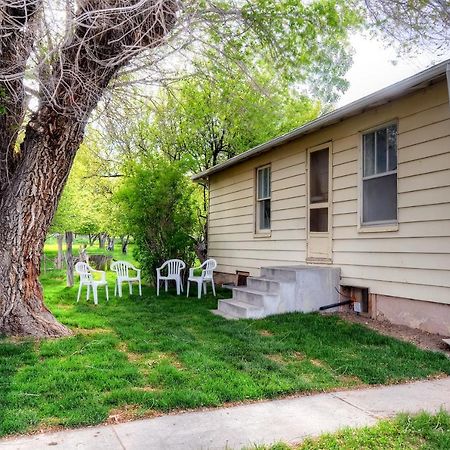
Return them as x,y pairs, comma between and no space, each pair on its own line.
378,98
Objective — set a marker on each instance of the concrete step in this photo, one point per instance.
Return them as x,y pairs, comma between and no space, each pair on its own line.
255,297
263,284
240,309
283,274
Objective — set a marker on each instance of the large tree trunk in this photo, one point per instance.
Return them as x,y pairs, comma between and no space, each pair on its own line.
60,256
69,258
103,38
26,210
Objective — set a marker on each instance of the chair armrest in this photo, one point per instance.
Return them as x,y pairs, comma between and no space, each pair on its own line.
164,265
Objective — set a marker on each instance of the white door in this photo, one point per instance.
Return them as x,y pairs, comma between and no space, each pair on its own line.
319,204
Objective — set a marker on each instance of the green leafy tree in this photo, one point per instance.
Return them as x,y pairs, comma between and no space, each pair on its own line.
158,202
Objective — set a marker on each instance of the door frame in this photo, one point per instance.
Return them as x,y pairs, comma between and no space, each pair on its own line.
315,259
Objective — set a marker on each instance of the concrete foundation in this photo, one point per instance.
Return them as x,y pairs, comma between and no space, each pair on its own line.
427,316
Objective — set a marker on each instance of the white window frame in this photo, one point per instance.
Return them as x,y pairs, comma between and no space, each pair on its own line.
258,200
378,225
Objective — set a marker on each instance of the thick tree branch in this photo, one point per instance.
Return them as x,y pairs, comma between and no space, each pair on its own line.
17,20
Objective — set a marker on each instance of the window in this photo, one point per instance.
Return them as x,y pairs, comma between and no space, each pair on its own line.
379,181
263,193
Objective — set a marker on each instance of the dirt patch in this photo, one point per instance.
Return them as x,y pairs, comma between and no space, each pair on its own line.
351,380
123,414
147,389
89,331
265,333
276,358
298,355
421,339
317,363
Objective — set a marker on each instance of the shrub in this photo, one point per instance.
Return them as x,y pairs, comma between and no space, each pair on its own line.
158,204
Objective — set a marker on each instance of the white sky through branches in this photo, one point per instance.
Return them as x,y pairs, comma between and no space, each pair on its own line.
376,66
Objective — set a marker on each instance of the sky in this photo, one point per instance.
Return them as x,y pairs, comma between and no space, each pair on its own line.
376,66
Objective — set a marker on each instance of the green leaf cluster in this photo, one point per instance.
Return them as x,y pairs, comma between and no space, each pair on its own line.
158,204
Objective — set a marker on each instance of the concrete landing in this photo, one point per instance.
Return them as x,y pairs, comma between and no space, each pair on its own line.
289,420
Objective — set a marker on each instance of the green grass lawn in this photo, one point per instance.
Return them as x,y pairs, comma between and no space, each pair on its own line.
423,431
133,357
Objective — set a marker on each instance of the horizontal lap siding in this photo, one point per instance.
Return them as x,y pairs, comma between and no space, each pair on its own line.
412,262
232,240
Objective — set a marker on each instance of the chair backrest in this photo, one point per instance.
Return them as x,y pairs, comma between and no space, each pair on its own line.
84,271
121,268
174,266
208,268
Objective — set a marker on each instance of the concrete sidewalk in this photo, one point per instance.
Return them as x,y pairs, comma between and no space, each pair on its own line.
288,420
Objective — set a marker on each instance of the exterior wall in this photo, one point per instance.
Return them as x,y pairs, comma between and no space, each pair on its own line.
411,262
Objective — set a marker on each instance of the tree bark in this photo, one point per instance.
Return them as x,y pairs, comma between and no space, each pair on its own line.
101,240
60,257
69,258
125,240
111,242
27,207
105,38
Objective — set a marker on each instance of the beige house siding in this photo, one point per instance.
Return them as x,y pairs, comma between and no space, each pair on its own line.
419,251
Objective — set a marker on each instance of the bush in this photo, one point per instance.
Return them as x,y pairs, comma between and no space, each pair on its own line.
158,203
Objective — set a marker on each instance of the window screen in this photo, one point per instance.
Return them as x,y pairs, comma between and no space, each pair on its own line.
380,175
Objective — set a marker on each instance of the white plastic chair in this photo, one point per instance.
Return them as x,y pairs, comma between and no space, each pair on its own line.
87,279
122,269
207,276
174,268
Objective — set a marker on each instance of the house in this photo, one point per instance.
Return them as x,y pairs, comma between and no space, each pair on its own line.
360,195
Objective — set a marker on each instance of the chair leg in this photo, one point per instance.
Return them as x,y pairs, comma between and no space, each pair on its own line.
140,288
79,293
181,285
88,292
166,284
199,290
94,290
130,287
204,287
119,288
213,287
107,293
115,288
178,284
187,290
157,287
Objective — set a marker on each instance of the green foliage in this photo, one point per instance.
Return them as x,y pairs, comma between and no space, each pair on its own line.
137,355
158,202
86,204
303,42
422,431
206,119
